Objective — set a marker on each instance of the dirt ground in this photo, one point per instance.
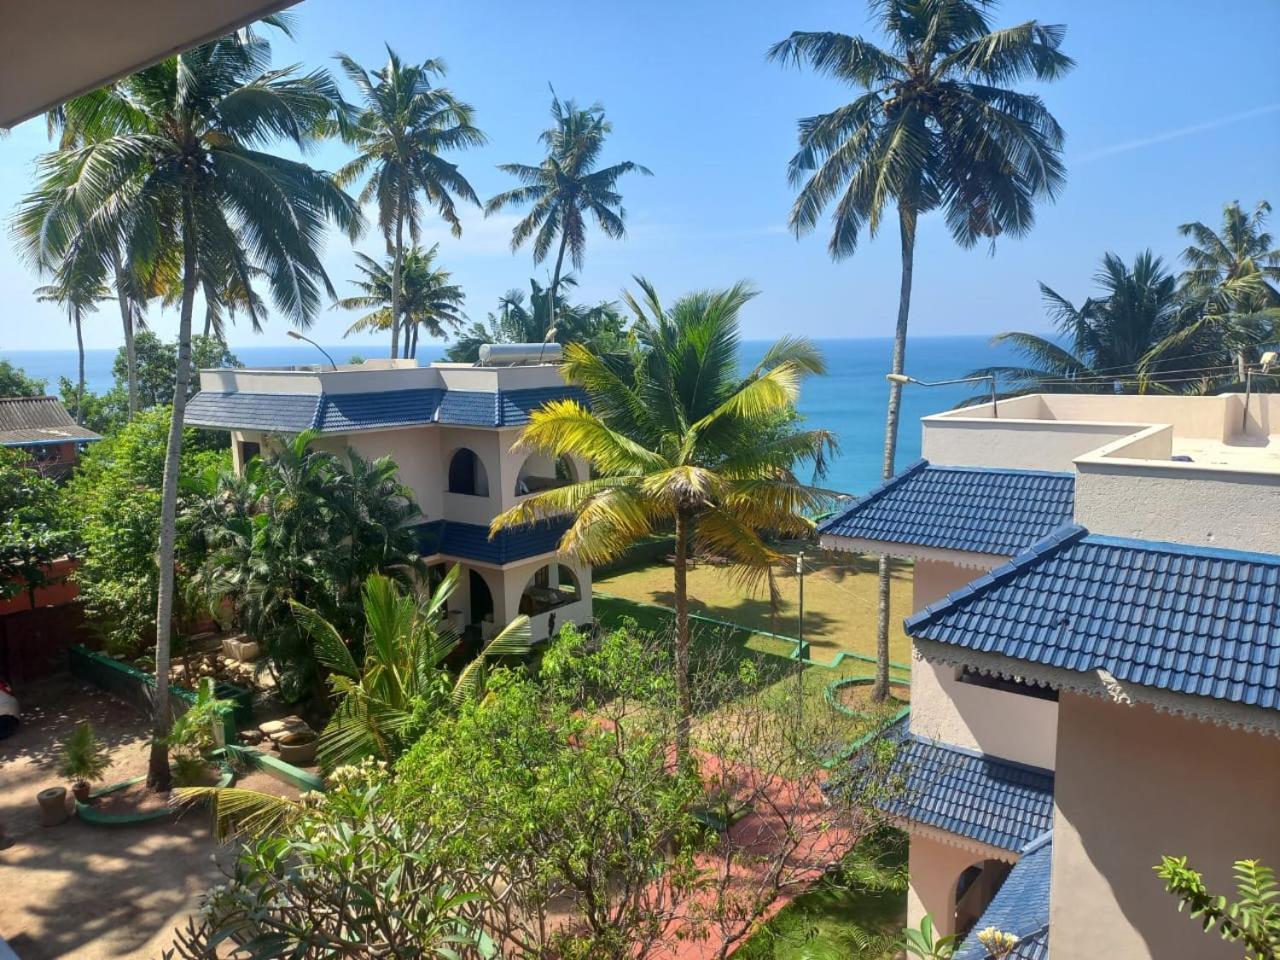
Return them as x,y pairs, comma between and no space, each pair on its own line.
83,892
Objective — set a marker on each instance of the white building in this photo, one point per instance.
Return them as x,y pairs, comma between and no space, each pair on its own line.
450,427
1096,664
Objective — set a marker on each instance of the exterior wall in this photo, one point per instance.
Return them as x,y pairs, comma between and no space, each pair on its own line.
931,580
1009,725
517,577
934,869
491,447
1133,785
1017,444
1178,502
417,452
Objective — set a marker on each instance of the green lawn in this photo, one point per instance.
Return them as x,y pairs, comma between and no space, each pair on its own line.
849,915
839,603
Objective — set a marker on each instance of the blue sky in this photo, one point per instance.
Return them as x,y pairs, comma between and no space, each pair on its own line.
1173,110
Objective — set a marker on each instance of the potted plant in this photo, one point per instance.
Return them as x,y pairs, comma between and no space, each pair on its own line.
84,760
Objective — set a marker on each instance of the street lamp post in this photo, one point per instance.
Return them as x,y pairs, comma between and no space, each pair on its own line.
297,336
902,378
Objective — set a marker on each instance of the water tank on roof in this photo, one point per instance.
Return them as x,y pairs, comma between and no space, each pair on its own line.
514,354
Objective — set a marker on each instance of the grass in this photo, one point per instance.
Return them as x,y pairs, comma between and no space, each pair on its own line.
852,914
839,602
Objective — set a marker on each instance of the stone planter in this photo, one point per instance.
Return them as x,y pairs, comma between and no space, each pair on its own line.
53,806
238,648
298,748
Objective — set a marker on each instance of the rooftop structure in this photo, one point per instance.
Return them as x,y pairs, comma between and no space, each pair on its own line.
44,431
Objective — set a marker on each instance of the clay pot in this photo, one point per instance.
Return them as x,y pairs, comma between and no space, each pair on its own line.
80,790
298,748
53,806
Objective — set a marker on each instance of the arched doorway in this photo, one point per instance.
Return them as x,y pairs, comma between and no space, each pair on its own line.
467,474
975,889
481,598
551,586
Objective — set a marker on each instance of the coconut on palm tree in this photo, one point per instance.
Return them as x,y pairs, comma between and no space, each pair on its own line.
399,132
172,168
936,127
429,299
1230,285
565,188
687,442
1104,344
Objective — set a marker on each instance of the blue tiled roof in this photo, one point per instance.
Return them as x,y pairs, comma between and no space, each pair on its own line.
975,509
1020,906
470,541
1190,620
344,412
349,412
271,412
984,798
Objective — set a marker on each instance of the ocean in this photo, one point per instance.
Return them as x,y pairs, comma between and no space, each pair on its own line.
849,401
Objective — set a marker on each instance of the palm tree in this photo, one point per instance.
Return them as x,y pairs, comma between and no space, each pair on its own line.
688,442
937,127
406,643
521,319
170,169
78,287
565,187
429,300
1230,282
1104,344
399,133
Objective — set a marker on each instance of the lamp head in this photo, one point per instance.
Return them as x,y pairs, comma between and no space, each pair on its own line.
294,334
1268,360
900,378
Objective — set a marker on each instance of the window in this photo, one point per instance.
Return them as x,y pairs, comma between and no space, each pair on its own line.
1017,686
249,450
466,474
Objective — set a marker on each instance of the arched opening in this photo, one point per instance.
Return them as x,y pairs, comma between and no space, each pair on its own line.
540,472
554,585
481,598
975,889
467,475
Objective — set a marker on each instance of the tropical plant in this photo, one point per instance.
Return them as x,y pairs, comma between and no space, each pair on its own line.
301,525
400,131
565,187
687,441
1253,919
429,300
938,126
927,944
1229,285
1107,341
33,530
528,320
84,758
171,161
406,644
78,288
14,382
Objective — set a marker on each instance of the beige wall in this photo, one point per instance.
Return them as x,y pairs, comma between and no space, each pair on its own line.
1008,725
417,452
1133,784
931,580
1019,445
935,867
517,578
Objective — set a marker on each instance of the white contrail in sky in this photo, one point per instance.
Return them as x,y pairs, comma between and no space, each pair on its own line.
1180,132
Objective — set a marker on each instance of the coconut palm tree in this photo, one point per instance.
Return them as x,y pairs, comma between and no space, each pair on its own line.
78,287
1104,344
565,187
429,300
936,127
400,132
1230,284
687,442
172,169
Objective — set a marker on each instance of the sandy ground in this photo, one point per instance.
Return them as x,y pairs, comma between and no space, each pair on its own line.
82,892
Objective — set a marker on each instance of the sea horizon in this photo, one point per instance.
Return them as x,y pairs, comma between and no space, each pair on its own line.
849,401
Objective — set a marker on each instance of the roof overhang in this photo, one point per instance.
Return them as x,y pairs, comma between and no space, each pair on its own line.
1104,686
58,49
911,551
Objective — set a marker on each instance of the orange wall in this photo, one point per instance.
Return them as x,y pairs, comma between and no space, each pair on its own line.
55,595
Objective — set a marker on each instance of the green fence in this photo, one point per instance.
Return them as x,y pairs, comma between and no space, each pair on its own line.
136,687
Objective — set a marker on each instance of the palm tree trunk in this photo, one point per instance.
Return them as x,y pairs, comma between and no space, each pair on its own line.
395,284
80,382
126,318
1242,365
413,347
555,283
158,769
684,701
907,225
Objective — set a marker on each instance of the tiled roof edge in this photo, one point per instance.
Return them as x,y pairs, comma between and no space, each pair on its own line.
1067,533
978,754
877,493
1186,549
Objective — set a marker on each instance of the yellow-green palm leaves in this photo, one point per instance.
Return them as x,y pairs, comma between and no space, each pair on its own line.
687,441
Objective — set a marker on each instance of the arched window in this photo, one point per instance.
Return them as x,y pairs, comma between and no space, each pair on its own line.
539,472
466,474
552,586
